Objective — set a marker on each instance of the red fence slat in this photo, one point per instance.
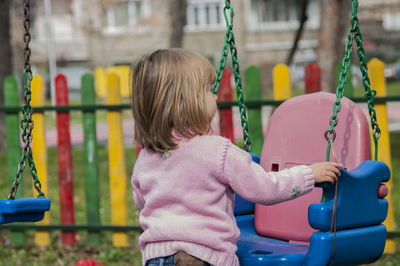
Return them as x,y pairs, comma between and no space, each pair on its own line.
225,115
312,78
65,173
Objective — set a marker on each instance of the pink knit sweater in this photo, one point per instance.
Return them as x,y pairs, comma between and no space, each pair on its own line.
186,199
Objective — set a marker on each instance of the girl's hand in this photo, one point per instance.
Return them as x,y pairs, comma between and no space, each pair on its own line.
326,171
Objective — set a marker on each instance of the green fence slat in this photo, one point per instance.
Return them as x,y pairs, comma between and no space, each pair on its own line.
13,144
91,166
253,92
348,86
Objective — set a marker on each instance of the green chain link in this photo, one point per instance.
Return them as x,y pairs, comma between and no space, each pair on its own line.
27,127
354,34
26,122
229,45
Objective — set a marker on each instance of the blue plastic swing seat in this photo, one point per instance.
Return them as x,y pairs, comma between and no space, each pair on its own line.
297,232
23,210
360,236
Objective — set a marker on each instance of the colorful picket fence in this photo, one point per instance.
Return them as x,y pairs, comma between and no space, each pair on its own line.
113,91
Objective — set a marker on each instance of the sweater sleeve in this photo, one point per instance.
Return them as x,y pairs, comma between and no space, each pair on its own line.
253,183
137,194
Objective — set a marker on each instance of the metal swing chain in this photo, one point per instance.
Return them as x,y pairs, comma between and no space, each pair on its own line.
229,45
354,34
26,122
368,92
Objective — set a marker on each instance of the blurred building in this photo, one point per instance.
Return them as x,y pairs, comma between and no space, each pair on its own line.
381,27
107,32
91,33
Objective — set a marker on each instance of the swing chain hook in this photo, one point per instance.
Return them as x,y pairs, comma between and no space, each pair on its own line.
229,23
330,136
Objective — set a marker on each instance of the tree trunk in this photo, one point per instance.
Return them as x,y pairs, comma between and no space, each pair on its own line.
302,22
177,13
5,62
335,20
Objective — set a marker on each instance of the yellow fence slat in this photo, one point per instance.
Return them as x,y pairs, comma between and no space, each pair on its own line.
116,161
378,83
101,74
100,82
39,151
123,74
281,80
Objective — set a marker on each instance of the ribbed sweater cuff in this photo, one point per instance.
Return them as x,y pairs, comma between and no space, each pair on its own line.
309,178
163,249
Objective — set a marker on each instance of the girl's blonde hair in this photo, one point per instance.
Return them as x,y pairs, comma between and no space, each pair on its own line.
170,92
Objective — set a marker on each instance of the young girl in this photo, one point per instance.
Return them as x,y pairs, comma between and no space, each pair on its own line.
184,179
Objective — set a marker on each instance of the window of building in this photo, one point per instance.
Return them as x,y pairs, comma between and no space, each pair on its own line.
125,14
205,14
274,10
391,21
279,14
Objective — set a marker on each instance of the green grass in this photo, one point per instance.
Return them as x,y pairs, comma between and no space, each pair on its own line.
57,255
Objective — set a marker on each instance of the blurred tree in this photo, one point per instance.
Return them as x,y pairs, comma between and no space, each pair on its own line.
6,59
302,5
334,20
177,13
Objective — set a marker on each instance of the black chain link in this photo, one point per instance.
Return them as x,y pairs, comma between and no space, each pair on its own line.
27,37
26,122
